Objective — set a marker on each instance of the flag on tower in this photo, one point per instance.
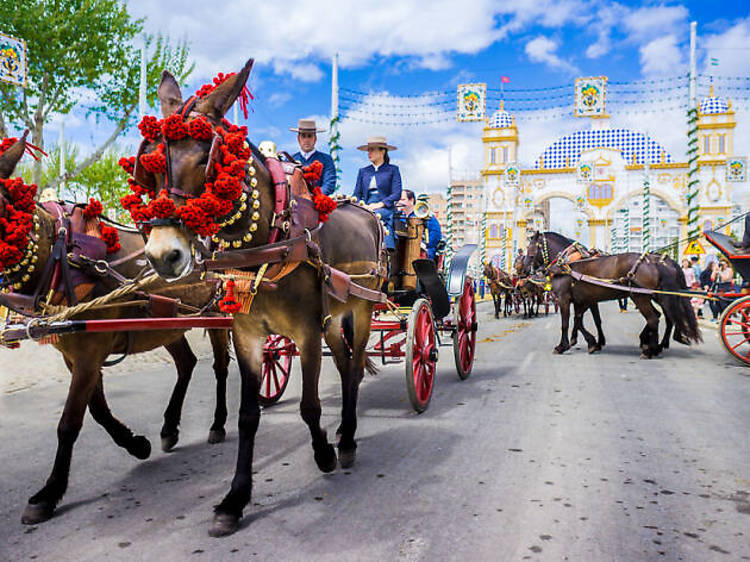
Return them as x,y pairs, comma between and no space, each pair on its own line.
504,80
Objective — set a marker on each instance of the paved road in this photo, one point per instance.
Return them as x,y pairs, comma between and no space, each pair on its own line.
539,457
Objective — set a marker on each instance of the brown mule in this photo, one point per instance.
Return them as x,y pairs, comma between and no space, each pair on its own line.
297,307
501,285
85,355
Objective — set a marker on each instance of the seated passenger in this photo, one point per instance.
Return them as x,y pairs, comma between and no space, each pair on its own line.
379,184
307,154
432,234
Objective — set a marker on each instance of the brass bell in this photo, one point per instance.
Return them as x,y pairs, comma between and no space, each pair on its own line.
247,237
243,207
253,227
253,182
255,194
256,204
255,216
236,243
251,170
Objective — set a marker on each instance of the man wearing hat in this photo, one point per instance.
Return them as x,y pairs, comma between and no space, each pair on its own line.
307,137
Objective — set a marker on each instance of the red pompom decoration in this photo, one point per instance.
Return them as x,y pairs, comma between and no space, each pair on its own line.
7,143
200,129
150,128
127,164
173,127
156,161
111,238
93,209
162,207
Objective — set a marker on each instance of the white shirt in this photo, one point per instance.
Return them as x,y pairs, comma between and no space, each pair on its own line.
373,185
307,155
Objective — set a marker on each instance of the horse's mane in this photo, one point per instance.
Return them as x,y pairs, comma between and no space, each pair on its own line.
561,239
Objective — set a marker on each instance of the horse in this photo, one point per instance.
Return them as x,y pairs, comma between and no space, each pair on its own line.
532,294
500,285
296,305
85,354
640,271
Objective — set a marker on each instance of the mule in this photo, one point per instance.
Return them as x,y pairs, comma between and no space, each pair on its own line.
501,285
296,306
547,251
85,355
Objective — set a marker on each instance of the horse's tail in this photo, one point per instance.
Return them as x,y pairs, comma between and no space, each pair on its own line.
679,310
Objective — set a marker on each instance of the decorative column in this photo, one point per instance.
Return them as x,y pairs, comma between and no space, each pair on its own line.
646,230
693,181
335,136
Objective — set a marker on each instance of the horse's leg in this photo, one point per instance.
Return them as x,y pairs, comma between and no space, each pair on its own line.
650,334
136,445
220,346
184,360
496,301
578,312
564,345
668,326
350,381
84,376
600,341
308,342
249,352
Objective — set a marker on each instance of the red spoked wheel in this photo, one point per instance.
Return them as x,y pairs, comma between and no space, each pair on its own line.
734,330
465,336
278,352
421,355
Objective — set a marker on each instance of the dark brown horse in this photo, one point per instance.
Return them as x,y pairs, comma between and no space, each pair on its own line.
501,286
296,307
85,355
641,271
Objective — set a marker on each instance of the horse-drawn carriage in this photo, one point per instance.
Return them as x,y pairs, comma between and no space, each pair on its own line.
734,324
427,308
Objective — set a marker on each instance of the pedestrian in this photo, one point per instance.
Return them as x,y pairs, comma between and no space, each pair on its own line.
707,285
722,276
691,281
696,265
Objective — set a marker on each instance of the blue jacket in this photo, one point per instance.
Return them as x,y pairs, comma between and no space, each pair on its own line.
328,177
387,179
433,236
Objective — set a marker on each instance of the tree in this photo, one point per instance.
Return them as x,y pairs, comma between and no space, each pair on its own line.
81,54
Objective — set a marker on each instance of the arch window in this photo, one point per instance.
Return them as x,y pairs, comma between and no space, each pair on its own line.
493,156
706,144
722,144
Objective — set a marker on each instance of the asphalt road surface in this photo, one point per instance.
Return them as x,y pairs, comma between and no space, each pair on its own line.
536,456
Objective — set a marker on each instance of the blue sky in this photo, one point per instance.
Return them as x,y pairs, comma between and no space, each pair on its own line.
407,47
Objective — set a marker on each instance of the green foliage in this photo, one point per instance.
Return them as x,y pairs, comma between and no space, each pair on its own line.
82,54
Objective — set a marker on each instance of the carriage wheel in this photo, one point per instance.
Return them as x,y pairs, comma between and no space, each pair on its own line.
278,352
421,355
734,327
465,336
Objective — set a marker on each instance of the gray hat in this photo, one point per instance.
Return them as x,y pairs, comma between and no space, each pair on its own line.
306,126
377,142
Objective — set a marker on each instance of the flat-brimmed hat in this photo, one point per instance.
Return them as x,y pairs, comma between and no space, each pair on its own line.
306,126
376,142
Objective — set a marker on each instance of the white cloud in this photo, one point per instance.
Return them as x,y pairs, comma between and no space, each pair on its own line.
661,56
731,49
542,49
646,22
277,99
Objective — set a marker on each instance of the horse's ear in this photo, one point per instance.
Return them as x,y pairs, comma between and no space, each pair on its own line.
169,94
10,157
217,103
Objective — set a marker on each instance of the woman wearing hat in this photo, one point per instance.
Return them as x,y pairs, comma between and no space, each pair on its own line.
379,184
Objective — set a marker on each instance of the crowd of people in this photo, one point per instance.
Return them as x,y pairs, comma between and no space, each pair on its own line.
714,275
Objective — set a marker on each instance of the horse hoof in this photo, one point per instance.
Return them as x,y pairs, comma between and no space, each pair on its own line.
169,441
325,458
559,350
216,436
347,457
140,447
224,524
594,349
37,513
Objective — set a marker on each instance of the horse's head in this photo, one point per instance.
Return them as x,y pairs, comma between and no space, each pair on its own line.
534,258
489,271
189,164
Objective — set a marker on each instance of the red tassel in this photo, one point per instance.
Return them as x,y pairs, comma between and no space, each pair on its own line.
229,303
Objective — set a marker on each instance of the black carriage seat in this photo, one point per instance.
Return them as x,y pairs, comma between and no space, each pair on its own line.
725,244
